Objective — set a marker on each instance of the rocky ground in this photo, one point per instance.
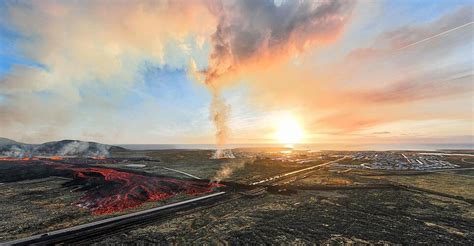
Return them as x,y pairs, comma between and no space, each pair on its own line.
365,216
437,209
368,216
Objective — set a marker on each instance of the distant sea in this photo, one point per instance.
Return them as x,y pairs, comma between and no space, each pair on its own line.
315,147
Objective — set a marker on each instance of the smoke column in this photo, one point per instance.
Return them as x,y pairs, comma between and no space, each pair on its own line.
253,34
220,117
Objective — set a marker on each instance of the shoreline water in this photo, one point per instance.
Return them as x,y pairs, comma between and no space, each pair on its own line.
313,147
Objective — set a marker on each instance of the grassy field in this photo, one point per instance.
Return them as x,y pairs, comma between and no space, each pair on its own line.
445,182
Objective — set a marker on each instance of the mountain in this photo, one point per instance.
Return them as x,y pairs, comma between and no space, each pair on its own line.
57,148
5,141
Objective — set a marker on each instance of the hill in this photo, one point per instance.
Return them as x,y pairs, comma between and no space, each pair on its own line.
5,141
12,148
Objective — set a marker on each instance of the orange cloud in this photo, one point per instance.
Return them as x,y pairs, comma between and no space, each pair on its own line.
372,86
255,34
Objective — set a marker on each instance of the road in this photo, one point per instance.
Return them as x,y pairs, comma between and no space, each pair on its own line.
447,154
184,173
97,228
293,173
445,170
464,160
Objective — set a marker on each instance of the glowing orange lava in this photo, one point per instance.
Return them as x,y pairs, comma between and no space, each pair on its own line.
17,159
108,190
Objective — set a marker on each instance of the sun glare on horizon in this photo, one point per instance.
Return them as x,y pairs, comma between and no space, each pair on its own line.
289,130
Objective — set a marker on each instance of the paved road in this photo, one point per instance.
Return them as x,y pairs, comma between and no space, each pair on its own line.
184,173
300,171
89,230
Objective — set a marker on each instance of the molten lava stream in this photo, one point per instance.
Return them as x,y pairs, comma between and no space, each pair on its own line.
109,190
55,158
17,159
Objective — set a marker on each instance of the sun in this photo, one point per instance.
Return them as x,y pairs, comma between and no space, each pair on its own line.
288,130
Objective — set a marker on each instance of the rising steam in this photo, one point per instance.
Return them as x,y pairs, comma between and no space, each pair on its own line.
229,168
220,116
59,148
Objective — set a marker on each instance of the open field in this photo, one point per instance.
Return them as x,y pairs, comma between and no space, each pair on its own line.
448,183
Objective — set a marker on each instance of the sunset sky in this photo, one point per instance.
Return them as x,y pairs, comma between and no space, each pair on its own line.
137,71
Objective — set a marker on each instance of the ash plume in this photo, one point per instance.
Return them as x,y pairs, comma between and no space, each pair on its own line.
252,33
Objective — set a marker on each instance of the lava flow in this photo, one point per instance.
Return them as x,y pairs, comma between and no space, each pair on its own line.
108,190
16,159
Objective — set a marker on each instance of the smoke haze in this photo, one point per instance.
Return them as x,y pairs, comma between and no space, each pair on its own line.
229,168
